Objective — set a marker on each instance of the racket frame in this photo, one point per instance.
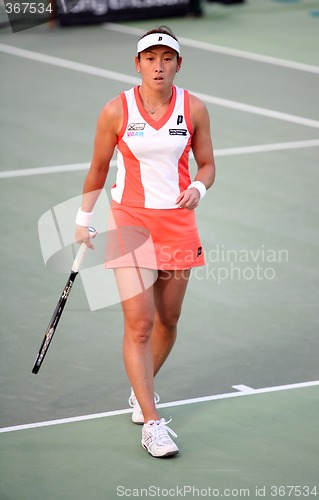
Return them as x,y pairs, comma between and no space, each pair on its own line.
56,316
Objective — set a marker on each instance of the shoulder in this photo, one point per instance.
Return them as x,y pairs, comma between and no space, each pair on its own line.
113,108
196,104
198,110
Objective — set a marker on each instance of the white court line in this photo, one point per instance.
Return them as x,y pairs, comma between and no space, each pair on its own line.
112,75
67,64
244,388
242,392
265,148
76,167
280,146
195,44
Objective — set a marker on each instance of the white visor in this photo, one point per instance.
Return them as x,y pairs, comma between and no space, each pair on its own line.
158,39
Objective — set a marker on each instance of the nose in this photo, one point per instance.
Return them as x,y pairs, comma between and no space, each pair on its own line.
159,68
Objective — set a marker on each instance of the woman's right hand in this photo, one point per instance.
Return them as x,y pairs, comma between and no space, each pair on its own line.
82,235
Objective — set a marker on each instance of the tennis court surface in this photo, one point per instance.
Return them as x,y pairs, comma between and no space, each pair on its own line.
242,383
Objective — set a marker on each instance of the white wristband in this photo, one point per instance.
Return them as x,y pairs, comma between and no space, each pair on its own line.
200,187
83,218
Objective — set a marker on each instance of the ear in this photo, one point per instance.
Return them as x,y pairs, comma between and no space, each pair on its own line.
137,64
179,63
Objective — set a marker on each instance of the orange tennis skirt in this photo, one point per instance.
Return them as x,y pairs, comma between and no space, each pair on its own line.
163,239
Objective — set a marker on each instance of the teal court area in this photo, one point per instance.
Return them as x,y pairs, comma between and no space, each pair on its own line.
231,447
250,317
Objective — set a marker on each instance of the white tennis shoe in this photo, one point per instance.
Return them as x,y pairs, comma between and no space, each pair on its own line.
137,415
155,439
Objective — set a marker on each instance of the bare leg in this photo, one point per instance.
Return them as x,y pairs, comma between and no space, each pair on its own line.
150,320
138,312
169,292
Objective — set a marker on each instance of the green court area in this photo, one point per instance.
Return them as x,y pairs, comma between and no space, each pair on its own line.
250,317
256,445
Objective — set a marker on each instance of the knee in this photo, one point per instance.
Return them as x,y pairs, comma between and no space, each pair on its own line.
169,321
140,330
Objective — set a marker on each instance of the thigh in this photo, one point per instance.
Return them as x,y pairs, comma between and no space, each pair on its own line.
169,292
135,286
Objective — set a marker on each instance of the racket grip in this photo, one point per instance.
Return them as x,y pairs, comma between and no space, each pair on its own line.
81,252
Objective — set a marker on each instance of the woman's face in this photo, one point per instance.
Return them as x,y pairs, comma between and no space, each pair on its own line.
158,66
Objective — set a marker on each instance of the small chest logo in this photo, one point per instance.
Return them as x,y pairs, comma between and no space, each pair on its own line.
135,129
136,126
137,133
177,131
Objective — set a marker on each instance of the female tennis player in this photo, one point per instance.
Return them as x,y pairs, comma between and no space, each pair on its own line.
155,240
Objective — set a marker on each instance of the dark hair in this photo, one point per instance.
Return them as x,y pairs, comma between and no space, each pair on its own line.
160,29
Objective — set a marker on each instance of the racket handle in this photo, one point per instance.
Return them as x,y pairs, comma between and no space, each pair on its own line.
81,252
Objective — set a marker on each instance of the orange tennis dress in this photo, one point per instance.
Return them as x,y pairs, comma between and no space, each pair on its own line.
146,229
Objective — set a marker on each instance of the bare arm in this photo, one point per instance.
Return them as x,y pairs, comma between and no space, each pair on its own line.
203,153
108,125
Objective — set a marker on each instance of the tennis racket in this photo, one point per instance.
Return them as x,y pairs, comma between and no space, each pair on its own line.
60,305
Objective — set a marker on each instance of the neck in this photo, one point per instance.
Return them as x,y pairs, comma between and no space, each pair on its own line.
153,101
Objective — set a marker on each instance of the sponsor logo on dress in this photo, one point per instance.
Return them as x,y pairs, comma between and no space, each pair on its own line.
135,134
177,131
136,126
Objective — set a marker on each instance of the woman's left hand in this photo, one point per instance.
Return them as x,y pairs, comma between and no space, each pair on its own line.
188,199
